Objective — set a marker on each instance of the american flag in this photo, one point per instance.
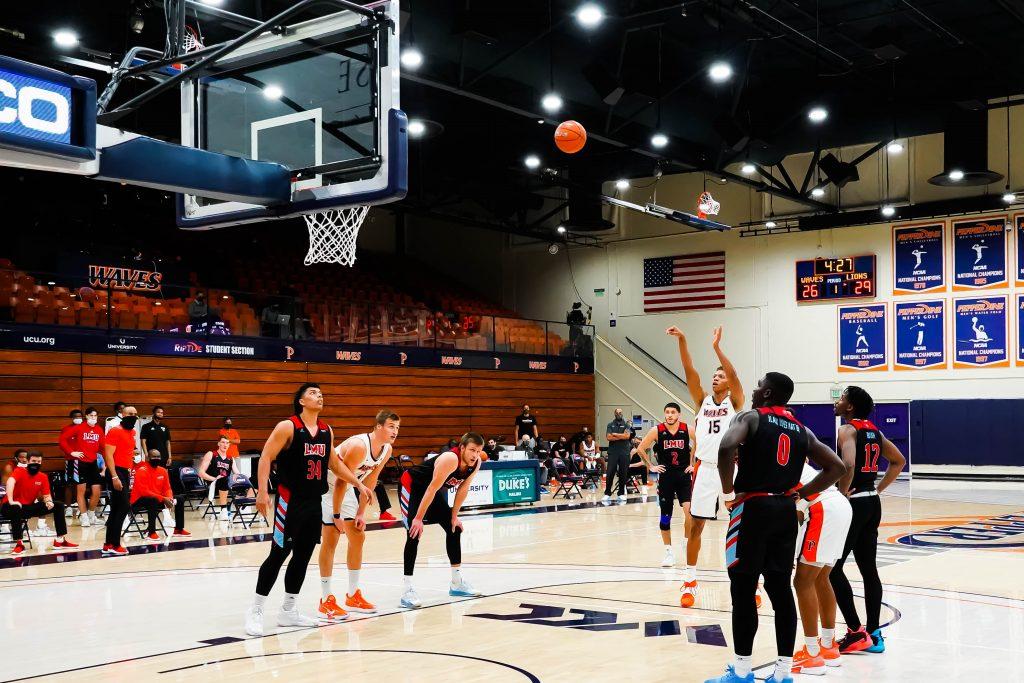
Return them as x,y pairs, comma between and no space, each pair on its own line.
684,283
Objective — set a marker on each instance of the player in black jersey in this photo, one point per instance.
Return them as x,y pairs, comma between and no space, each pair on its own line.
423,498
671,443
761,539
302,447
862,442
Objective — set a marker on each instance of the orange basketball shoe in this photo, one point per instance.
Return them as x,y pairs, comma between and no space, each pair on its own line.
330,611
689,590
831,654
357,603
805,663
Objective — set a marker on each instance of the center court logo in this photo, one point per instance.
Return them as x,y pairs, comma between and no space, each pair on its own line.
994,533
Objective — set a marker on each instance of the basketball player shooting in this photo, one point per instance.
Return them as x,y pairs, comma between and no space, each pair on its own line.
714,415
343,512
303,449
769,446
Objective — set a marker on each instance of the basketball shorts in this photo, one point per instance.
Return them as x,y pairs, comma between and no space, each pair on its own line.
295,519
707,489
349,506
823,533
762,535
221,484
81,472
673,484
410,496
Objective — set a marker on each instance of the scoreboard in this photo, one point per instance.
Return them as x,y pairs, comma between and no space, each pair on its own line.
824,279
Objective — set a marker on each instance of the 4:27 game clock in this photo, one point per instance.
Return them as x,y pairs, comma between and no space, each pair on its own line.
825,279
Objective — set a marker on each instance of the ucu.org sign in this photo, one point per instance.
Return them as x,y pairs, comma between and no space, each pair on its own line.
34,108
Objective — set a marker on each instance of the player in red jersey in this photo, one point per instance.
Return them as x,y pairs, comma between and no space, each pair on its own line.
83,444
671,443
772,448
863,443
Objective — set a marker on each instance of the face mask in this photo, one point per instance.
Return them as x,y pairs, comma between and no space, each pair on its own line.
22,464
154,463
91,421
129,422
33,468
227,425
76,421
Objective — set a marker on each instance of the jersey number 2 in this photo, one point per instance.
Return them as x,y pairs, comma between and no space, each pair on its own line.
871,453
782,452
315,470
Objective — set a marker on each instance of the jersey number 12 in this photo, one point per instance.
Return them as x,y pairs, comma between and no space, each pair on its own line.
871,453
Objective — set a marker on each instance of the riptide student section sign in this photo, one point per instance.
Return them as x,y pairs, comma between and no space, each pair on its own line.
919,258
979,333
920,335
862,341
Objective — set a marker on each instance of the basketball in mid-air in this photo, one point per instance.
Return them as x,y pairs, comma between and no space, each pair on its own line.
570,136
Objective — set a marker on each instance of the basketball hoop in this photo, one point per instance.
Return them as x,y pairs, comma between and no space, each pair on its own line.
190,43
333,233
706,205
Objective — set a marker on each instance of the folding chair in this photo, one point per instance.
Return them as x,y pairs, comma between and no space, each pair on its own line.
192,487
591,478
568,481
26,536
238,484
136,525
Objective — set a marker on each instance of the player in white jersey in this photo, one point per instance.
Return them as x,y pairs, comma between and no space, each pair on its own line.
342,512
825,519
715,413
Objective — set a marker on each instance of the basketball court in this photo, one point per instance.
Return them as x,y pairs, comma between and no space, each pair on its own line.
607,210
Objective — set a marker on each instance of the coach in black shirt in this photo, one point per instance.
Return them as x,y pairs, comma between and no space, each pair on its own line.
157,436
526,424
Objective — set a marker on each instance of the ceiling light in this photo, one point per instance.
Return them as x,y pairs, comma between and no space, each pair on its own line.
411,58
720,72
1009,198
65,38
894,147
888,211
622,184
552,248
818,192
817,114
956,174
560,229
769,224
51,283
747,168
215,3
416,128
532,161
273,92
551,102
589,15
659,140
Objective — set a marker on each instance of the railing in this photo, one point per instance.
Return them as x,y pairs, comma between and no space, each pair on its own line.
135,301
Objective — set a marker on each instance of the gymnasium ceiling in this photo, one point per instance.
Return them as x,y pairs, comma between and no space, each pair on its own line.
883,68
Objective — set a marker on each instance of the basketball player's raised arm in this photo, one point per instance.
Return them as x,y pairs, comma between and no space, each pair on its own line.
846,441
897,461
741,429
692,376
832,468
276,442
642,449
342,471
735,388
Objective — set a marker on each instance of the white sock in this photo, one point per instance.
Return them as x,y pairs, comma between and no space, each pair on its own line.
812,646
325,587
742,665
407,582
783,668
289,602
353,581
828,637
668,548
456,575
259,600
689,573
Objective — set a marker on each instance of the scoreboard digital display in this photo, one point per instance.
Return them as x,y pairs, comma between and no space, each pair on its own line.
825,279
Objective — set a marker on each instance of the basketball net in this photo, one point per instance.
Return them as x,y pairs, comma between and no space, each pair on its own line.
191,43
706,205
333,234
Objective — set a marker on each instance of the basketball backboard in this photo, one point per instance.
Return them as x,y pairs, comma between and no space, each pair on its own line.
320,97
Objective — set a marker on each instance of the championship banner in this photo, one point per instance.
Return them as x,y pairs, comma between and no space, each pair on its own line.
862,338
979,253
1020,329
979,333
918,258
920,335
1018,232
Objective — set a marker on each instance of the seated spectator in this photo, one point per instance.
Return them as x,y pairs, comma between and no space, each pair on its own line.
526,443
637,467
589,455
151,491
20,459
28,495
492,449
216,468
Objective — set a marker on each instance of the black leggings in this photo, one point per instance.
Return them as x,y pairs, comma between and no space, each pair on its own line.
118,504
438,513
152,507
301,534
743,587
383,501
863,541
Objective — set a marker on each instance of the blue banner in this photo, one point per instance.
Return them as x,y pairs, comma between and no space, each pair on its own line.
918,258
862,338
1020,329
979,253
979,333
1019,233
920,335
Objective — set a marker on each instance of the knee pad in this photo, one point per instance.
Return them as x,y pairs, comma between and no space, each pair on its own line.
665,523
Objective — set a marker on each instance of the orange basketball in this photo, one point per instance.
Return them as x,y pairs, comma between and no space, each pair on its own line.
570,136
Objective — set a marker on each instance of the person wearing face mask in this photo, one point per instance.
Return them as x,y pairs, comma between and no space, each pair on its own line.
70,457
28,495
86,442
20,459
115,420
151,491
216,469
619,437
119,454
233,437
526,425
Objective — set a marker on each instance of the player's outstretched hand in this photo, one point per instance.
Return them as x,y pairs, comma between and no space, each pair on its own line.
675,332
716,336
263,504
416,528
